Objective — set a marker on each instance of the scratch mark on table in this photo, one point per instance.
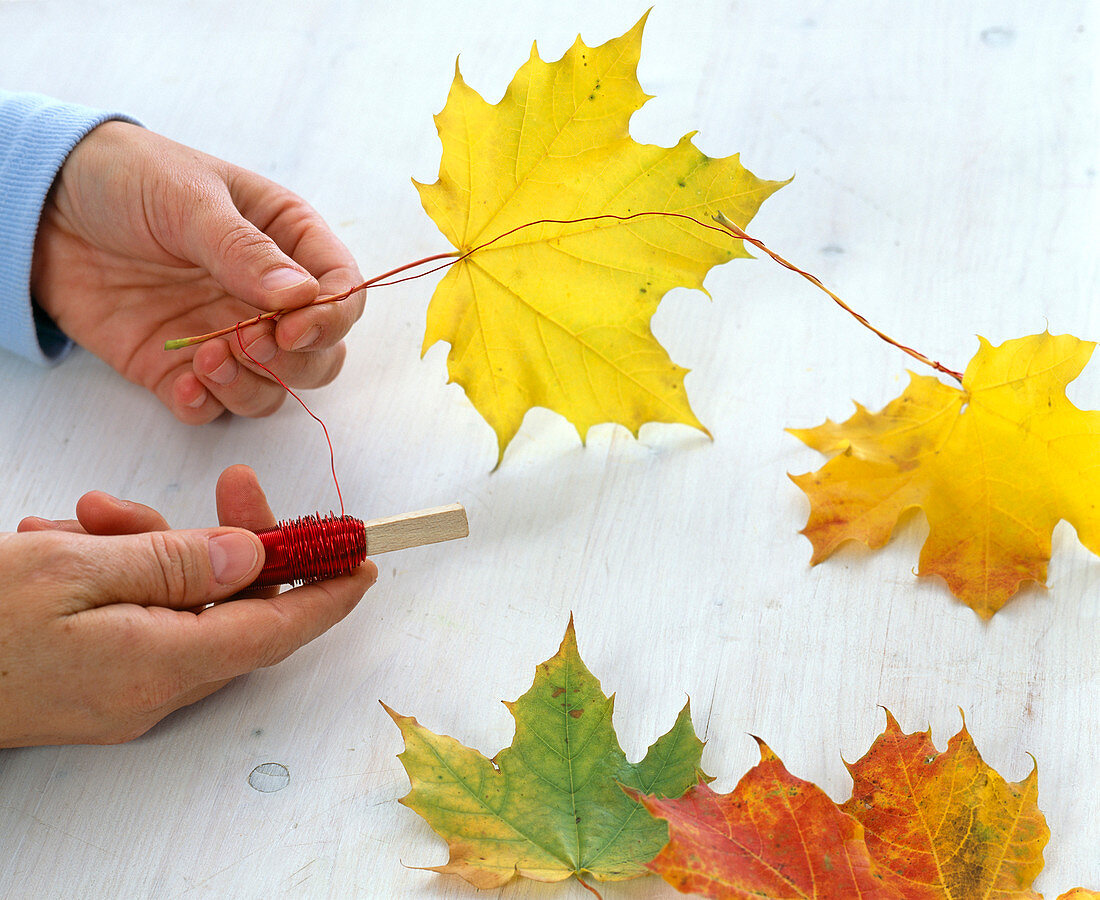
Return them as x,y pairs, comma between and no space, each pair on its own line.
301,881
59,830
710,706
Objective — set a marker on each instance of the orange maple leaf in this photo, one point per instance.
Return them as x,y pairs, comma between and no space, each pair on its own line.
994,466
774,836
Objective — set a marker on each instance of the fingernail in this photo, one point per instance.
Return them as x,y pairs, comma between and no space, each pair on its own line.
263,349
199,400
37,523
232,556
308,339
283,279
225,373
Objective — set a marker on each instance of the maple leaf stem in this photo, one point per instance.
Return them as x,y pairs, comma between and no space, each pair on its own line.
451,258
584,884
377,280
740,233
454,256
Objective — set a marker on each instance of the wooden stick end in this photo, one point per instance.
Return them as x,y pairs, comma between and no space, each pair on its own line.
415,529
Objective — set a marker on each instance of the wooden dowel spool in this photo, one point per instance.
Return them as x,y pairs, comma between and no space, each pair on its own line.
414,529
314,548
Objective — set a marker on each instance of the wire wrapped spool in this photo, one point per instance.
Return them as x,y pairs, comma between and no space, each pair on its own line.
312,548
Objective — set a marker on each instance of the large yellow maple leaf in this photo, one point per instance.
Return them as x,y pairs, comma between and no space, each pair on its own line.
557,314
994,466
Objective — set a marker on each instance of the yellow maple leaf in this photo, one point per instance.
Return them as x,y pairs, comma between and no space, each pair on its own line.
994,466
557,314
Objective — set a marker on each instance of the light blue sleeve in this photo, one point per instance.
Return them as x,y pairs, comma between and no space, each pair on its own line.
36,135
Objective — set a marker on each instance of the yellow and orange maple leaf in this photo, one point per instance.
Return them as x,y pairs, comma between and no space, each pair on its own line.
557,314
994,466
947,824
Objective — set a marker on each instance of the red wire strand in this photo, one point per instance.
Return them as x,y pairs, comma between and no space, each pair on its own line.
331,452
386,279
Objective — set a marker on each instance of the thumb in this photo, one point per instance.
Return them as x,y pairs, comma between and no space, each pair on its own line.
246,262
175,569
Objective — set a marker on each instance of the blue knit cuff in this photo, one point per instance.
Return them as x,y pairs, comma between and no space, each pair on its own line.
36,136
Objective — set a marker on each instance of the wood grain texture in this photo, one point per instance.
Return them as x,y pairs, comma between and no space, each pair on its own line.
945,162
415,529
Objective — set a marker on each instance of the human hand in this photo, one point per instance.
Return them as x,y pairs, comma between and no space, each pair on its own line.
105,625
143,240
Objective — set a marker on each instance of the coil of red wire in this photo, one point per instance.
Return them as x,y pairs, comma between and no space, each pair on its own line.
312,548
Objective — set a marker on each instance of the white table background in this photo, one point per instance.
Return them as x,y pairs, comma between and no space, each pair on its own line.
945,156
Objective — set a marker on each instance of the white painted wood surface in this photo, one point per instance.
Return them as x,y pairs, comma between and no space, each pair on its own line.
945,156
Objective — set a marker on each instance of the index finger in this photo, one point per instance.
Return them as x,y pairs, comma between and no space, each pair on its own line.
323,324
302,234
233,638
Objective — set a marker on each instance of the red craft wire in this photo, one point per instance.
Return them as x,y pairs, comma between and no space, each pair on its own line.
283,384
311,548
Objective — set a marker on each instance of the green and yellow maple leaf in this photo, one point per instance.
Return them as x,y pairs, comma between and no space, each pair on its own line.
550,806
557,315
994,466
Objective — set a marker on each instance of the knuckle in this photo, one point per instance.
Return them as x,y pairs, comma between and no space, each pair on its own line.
321,369
114,718
174,576
54,565
335,365
318,368
144,698
123,731
273,654
263,402
115,723
136,706
273,650
51,551
150,681
205,416
274,643
241,240
343,317
358,302
253,396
